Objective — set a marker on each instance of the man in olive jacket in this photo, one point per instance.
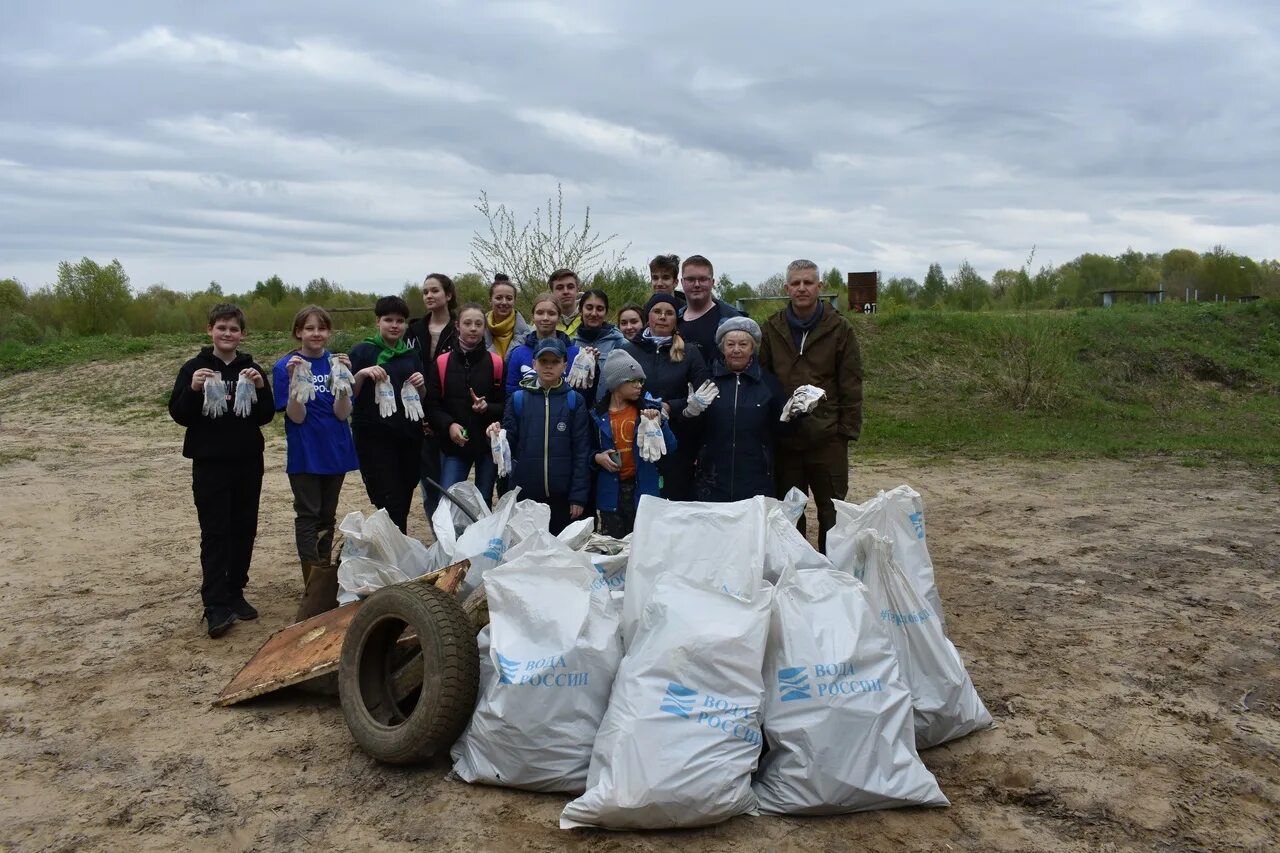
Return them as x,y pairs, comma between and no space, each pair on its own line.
807,343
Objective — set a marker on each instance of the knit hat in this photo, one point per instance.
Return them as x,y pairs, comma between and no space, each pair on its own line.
739,324
620,367
657,298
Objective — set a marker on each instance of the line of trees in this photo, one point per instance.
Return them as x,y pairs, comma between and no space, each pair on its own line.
92,298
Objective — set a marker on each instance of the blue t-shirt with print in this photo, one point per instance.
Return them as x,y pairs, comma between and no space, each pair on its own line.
321,444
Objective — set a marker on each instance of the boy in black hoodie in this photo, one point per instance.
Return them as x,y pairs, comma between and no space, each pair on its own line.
225,450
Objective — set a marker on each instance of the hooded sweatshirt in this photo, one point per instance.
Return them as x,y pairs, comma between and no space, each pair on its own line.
228,436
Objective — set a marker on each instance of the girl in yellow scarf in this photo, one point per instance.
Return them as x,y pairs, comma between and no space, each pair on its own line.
503,324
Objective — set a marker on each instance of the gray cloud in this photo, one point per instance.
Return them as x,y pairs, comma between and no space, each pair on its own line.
232,141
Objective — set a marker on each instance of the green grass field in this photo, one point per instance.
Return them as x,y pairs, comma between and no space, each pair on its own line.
1197,382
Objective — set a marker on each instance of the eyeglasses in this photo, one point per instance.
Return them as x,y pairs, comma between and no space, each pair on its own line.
639,383
696,279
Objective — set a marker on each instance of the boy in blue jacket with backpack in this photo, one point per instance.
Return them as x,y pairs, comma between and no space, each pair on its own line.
549,431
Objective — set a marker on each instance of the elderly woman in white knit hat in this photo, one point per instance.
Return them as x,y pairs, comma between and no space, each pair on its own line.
739,427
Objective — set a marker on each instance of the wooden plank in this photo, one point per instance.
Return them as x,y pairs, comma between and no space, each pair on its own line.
313,647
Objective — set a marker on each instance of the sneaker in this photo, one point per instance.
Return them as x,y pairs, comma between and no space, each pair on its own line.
244,610
220,621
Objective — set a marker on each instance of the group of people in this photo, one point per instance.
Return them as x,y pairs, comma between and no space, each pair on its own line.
422,404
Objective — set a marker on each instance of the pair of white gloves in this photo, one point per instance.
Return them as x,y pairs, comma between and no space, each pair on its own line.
215,397
649,440
583,370
802,402
500,449
302,386
698,401
386,398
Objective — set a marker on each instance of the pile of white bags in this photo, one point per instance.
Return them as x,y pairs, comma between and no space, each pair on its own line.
899,515
553,646
376,554
682,734
946,704
837,715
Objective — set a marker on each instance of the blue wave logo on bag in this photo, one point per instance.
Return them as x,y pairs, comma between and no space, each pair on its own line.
678,700
496,548
793,683
508,668
917,521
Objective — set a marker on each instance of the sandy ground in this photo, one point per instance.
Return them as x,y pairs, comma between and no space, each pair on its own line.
1119,619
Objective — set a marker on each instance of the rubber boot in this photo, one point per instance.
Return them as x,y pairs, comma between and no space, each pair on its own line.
321,593
306,572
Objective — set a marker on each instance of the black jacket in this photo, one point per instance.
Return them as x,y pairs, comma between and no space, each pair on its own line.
738,431
666,379
364,408
464,372
416,337
228,436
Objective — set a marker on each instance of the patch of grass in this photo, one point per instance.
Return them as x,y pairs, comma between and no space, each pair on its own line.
17,454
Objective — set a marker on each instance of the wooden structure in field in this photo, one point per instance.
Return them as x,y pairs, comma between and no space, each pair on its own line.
863,289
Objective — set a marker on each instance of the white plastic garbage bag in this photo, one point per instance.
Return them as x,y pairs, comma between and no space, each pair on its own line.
785,547
682,734
554,650
484,543
376,554
577,534
898,514
716,545
837,714
946,704
527,518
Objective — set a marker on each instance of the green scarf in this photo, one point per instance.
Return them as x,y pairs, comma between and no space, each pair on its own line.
386,353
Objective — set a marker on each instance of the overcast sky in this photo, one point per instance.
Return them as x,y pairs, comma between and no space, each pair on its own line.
231,141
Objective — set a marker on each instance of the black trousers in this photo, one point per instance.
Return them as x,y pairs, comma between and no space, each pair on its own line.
623,521
315,508
389,467
823,470
226,493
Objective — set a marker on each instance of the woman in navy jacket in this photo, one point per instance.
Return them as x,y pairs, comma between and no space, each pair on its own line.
739,427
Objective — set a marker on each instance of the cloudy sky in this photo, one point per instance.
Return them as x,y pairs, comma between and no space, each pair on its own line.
233,140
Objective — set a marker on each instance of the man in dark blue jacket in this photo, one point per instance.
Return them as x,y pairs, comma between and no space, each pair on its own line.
549,430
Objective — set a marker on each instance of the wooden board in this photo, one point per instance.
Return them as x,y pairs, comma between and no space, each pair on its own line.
311,648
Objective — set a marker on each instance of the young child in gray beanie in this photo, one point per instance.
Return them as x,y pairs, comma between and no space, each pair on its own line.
622,476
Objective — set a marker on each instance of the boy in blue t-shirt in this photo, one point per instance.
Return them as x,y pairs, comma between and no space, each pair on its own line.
319,454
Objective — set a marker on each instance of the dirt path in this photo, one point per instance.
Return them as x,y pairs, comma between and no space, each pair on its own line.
1120,620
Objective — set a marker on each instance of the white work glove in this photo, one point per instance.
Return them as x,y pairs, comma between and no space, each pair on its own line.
302,386
583,370
649,440
340,378
215,397
501,451
386,397
246,396
802,401
412,402
699,400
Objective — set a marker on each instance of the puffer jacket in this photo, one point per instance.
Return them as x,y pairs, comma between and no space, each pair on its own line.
520,360
549,430
465,372
829,359
608,483
739,430
665,379
228,436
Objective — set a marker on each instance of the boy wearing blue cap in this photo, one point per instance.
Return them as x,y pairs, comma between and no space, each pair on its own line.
549,431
